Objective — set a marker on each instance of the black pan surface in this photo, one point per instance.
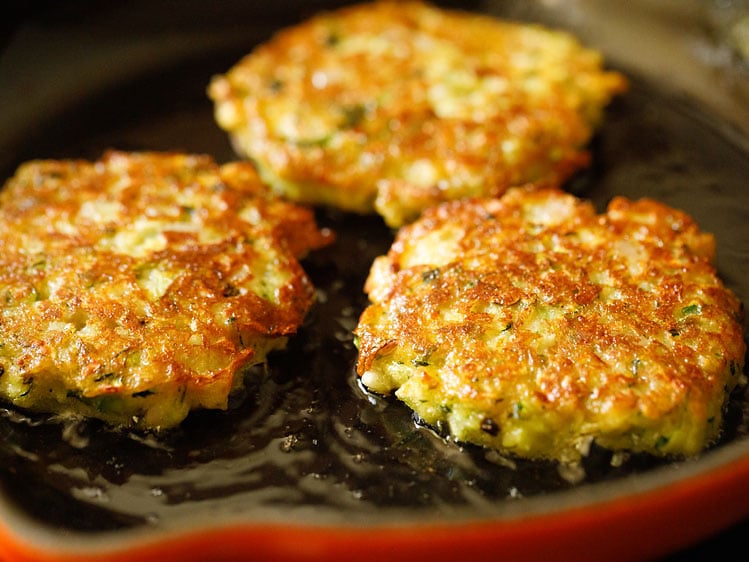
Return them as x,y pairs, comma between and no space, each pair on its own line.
82,78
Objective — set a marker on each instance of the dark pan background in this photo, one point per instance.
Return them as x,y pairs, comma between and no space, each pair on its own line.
80,76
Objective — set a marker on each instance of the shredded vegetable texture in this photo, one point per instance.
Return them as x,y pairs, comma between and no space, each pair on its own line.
392,107
141,286
533,326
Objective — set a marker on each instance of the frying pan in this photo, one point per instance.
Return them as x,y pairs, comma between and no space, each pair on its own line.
307,466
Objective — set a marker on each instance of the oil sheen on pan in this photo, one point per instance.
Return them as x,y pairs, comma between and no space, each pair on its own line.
306,444
310,435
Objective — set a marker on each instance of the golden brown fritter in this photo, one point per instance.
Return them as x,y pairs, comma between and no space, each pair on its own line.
138,287
531,325
396,106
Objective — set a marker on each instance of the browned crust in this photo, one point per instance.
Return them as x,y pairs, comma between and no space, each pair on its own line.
396,106
139,286
614,327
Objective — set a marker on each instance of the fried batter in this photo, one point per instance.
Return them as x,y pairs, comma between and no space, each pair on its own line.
532,325
396,106
141,286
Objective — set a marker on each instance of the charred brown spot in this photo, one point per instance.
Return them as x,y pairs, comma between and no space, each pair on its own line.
489,426
430,275
230,291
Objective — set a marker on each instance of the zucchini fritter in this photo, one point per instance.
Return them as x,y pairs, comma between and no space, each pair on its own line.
531,325
138,287
396,106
